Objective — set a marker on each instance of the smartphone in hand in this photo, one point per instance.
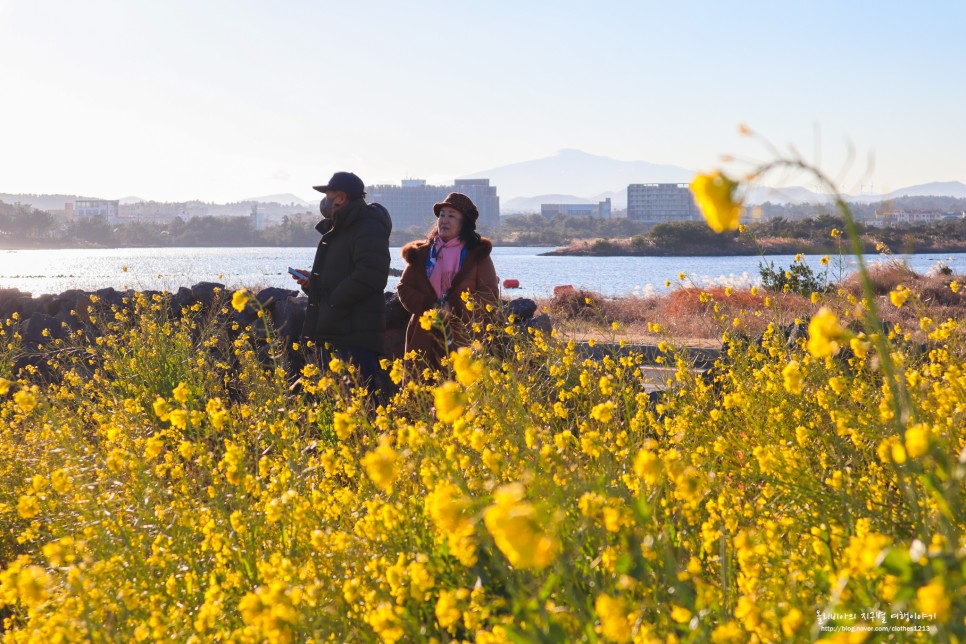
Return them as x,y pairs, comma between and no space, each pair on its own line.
298,273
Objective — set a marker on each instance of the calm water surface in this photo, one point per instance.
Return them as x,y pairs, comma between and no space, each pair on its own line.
54,271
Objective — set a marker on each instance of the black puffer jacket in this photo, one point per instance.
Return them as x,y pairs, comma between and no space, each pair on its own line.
346,305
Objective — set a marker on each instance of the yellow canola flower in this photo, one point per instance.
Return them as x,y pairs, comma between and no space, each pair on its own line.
161,409
5,386
179,418
61,481
897,451
859,346
837,384
614,624
899,296
680,614
825,334
513,524
428,319
450,512
180,393
32,585
715,195
934,600
385,620
216,412
382,466
27,506
153,447
647,466
450,400
26,400
448,508
917,440
240,299
604,412
343,425
448,612
468,369
953,286
792,377
271,611
792,621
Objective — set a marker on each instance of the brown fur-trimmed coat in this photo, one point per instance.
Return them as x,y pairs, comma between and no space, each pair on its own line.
476,276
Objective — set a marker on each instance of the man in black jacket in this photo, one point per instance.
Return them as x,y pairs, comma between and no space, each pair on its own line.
346,310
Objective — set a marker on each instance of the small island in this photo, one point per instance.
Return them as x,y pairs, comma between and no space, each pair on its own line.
819,236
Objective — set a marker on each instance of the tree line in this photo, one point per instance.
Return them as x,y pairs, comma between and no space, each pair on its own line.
778,236
22,226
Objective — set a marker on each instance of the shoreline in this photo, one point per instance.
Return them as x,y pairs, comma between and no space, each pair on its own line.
613,249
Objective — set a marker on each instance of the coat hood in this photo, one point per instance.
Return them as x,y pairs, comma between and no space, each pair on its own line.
355,212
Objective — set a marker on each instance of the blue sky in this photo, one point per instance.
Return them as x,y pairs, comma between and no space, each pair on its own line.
222,100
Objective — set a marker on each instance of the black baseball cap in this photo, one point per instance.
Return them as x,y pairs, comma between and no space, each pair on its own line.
345,182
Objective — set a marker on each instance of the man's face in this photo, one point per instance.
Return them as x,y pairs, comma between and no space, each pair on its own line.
336,199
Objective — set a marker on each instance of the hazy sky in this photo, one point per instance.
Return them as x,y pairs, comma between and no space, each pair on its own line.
227,99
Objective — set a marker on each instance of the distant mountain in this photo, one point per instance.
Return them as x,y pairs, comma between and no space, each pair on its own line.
573,172
284,198
799,195
758,195
574,176
40,202
934,189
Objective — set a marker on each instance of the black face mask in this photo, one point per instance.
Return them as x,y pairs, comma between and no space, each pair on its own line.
325,207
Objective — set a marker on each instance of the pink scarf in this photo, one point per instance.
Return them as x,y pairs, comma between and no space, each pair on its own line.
447,263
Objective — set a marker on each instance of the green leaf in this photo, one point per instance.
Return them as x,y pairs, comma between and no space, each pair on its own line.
517,637
625,563
929,482
643,509
898,562
547,589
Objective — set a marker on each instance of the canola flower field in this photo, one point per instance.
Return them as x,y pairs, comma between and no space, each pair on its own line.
173,481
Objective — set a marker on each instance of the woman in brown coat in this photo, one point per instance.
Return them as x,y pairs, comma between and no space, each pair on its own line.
453,260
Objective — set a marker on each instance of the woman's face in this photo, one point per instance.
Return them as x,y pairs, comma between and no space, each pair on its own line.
449,224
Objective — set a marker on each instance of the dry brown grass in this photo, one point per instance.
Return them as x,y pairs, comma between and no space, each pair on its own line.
682,315
687,320
931,297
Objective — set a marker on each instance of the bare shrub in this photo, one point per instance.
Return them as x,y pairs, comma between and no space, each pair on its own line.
573,304
885,276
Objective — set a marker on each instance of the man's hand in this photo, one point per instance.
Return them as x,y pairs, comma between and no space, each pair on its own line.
302,277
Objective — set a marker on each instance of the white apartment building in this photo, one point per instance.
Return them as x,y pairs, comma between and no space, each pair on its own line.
411,203
88,208
659,203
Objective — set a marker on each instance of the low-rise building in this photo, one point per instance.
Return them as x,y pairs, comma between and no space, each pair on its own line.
152,211
893,217
600,209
